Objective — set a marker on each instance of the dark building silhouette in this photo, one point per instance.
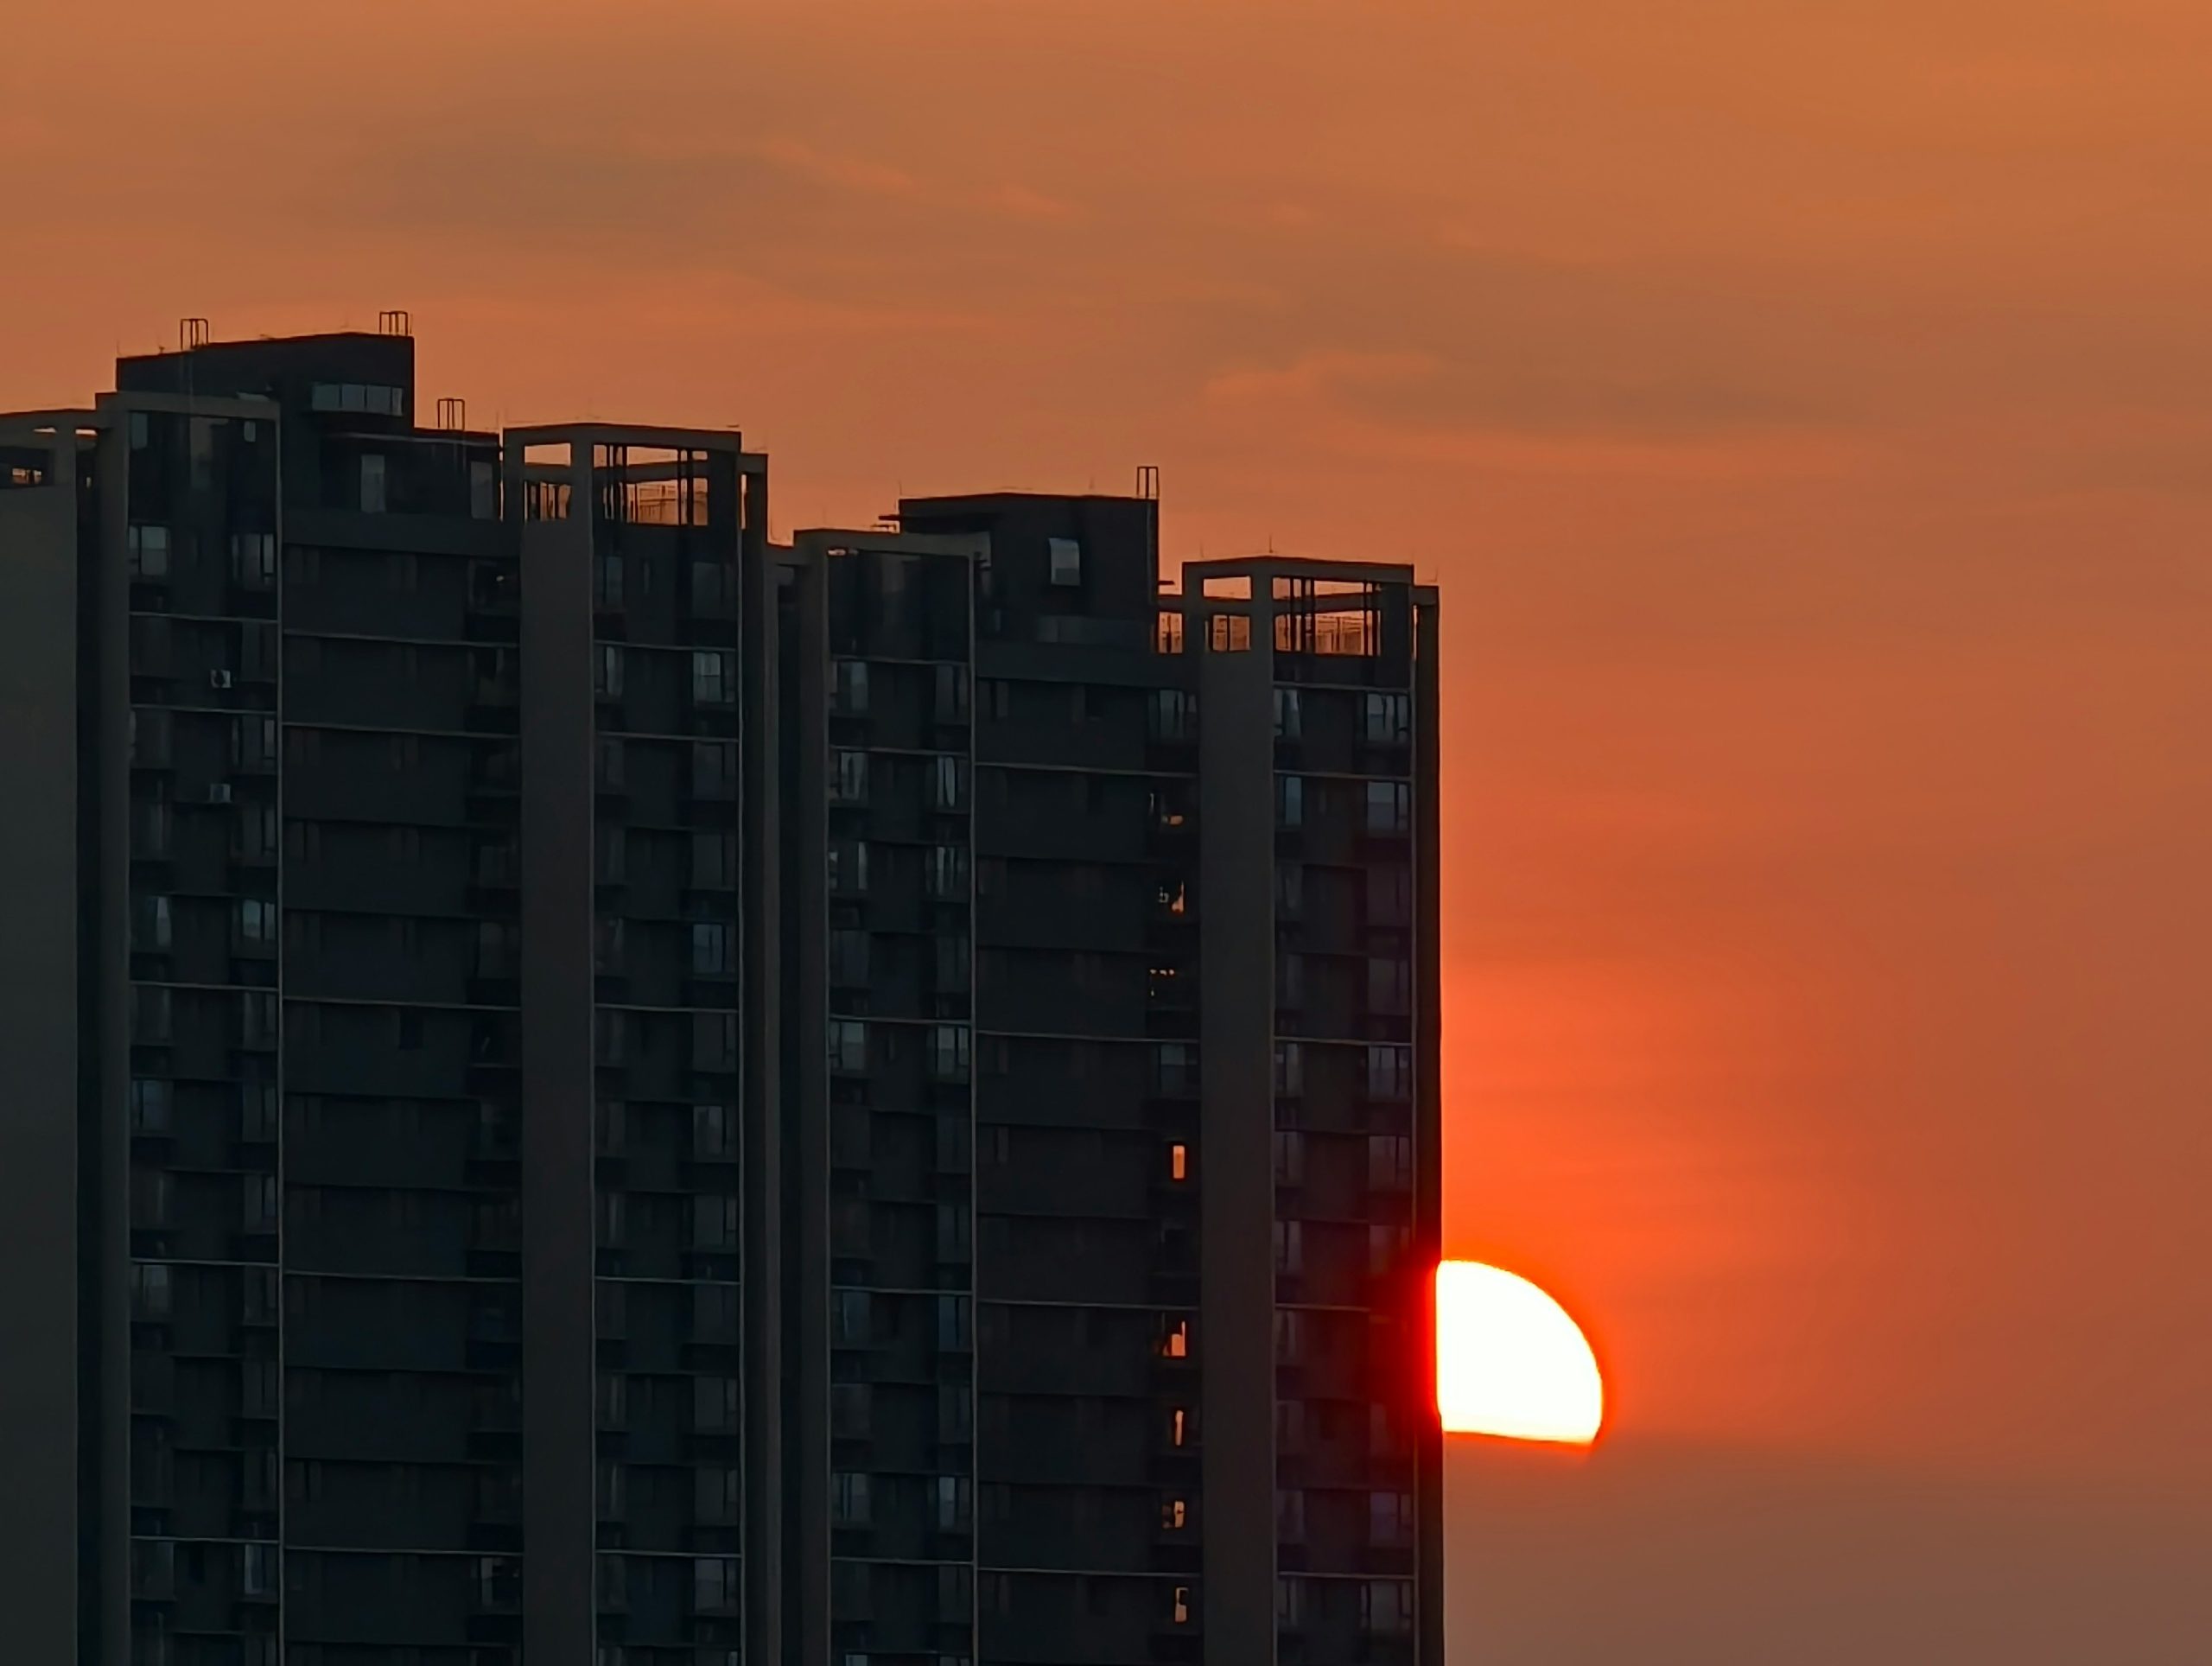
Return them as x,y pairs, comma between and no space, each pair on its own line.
587,1089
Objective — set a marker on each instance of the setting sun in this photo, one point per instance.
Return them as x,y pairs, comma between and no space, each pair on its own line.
1510,1362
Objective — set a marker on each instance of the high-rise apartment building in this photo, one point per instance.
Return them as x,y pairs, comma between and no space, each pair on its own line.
587,1089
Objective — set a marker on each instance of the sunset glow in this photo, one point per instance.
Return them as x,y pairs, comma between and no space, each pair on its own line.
1510,1362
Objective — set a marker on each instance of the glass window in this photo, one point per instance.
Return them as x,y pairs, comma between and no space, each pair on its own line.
714,769
713,681
848,698
948,783
953,1330
1289,1157
1065,557
1290,1070
949,1052
150,551
1290,1515
606,672
848,867
711,956
1288,723
848,776
849,1505
847,1046
1385,720
1389,1072
372,483
483,491
1290,1245
1389,806
1290,801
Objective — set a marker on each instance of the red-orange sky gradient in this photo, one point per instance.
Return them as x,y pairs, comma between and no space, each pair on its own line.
1805,410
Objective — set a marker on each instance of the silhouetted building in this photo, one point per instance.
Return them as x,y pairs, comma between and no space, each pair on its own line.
591,1090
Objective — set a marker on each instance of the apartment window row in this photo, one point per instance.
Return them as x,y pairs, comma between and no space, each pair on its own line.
1384,1607
1385,807
945,1047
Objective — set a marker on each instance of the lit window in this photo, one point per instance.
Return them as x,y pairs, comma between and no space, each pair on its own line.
1181,1607
1179,1161
1174,1515
1177,1426
1176,1342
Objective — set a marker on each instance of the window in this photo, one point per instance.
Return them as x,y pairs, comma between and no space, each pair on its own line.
1065,556
1229,634
950,704
1175,1339
607,582
372,483
848,1492
1178,1605
712,1137
149,1290
483,491
714,1403
254,560
1386,1247
1290,980
1390,1518
1179,1426
714,677
1290,1515
1179,1161
1386,1606
1389,1162
1389,806
1174,715
949,1052
1174,1515
150,1107
848,958
1389,1072
848,867
1289,1158
849,697
1175,1070
714,1223
1385,720
948,783
1289,1247
947,874
849,1319
714,861
1290,1070
1290,1426
954,1331
257,921
151,923
1390,984
1288,726
713,1585
848,776
606,671
847,1046
1390,896
713,770
1290,801
711,956
953,1495
1290,1602
1290,1337
150,551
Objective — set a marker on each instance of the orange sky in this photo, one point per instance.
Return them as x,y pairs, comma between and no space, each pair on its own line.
1804,410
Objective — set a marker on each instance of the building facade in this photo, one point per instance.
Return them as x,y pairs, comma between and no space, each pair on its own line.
598,1091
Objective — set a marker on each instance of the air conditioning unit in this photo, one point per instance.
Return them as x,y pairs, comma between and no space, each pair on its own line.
219,679
219,793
